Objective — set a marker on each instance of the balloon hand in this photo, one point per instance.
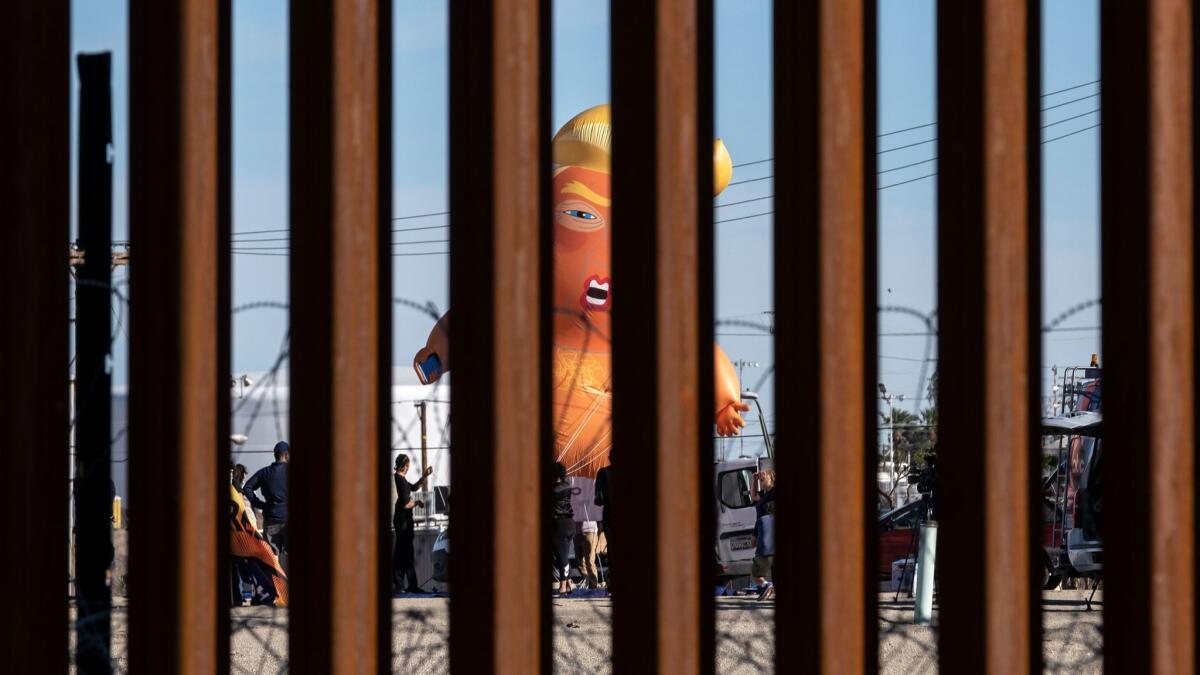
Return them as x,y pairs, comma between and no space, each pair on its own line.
728,419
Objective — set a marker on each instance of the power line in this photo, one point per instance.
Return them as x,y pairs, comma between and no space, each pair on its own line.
285,255
1068,119
1077,131
906,182
1063,91
932,124
908,166
744,201
422,215
1074,100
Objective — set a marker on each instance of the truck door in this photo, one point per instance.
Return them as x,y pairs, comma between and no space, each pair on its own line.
735,512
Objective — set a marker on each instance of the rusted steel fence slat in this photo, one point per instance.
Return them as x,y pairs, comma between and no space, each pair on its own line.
662,408
334,375
498,235
1147,222
176,380
984,369
36,194
821,349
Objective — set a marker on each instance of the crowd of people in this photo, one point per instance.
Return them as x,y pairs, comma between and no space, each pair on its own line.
267,491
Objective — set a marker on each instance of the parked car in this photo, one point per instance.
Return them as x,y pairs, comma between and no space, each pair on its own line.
896,540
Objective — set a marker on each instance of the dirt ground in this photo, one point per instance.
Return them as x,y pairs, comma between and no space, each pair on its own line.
1072,639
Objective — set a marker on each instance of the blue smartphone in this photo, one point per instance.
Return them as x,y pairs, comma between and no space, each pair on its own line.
431,368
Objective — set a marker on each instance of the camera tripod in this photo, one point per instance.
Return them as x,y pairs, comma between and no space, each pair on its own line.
923,514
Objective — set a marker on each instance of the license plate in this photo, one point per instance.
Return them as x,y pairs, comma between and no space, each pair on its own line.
741,543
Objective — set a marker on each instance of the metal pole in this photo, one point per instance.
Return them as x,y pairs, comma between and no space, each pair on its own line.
926,554
661,335
93,403
823,101
36,193
988,213
424,453
336,380
178,396
1147,234
500,162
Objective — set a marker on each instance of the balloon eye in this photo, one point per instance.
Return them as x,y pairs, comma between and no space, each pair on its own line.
580,214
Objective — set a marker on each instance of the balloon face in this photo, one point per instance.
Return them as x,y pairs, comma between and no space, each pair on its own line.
582,232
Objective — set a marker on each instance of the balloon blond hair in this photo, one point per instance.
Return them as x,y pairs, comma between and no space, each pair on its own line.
586,141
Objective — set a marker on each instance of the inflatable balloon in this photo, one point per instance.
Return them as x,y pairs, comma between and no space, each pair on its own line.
583,297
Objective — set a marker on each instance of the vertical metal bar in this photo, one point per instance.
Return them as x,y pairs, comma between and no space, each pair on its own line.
224,366
869,470
175,369
334,376
36,193
984,356
1035,557
662,413
93,400
384,149
1147,275
498,167
704,335
821,347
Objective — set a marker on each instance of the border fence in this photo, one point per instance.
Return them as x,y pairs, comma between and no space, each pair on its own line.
662,94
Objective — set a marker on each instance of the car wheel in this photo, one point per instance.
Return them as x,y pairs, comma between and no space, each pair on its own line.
1050,580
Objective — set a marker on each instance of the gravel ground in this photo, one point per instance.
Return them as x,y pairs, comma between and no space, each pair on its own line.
1072,639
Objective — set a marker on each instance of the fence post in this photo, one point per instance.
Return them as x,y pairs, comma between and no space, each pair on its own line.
1147,236
335,375
662,334
178,382
36,194
987,234
824,296
499,267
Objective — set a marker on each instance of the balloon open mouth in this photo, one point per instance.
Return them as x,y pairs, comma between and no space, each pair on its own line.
596,296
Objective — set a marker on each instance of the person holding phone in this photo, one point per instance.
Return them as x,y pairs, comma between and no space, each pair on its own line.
404,560
762,493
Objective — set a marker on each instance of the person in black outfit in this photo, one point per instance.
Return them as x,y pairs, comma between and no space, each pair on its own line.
272,481
562,531
603,499
404,559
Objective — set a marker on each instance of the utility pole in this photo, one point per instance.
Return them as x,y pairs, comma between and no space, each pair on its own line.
891,419
424,454
93,402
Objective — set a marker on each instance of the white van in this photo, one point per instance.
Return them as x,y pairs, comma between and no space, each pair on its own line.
732,476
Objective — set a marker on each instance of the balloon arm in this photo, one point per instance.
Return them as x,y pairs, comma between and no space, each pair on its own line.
437,345
727,395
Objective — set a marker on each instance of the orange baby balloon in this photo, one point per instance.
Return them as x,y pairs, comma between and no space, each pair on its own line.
583,297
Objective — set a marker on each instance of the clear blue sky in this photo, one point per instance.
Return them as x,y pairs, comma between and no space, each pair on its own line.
907,212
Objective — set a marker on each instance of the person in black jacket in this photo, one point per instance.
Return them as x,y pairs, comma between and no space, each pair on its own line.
603,499
562,530
404,559
272,481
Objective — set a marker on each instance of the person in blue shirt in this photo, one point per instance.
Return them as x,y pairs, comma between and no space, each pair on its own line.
762,493
272,482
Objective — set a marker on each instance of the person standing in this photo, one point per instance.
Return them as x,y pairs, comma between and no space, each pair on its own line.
762,493
272,482
603,498
404,559
239,476
562,529
585,551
